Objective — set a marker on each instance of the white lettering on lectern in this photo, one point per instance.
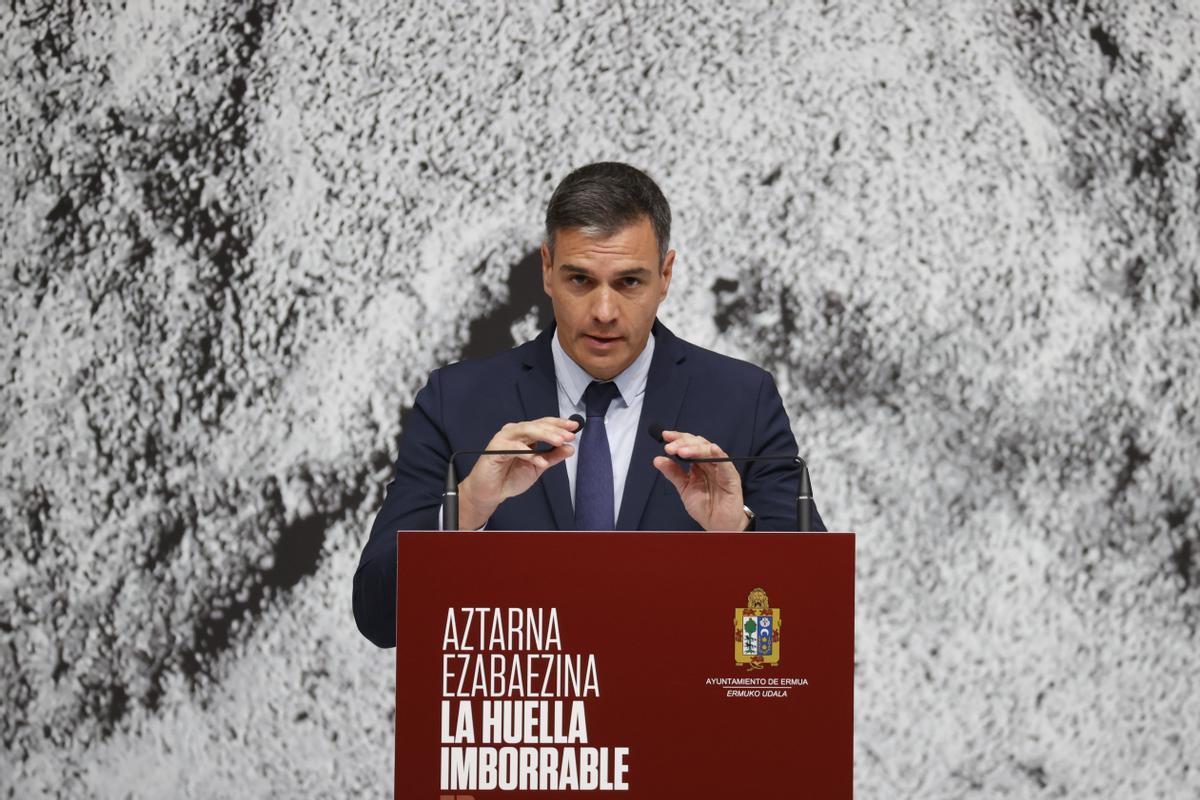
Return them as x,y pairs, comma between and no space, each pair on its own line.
490,653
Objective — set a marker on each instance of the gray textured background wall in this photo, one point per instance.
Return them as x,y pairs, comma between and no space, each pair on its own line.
236,237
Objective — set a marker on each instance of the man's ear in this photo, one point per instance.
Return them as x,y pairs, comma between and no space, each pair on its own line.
547,267
667,271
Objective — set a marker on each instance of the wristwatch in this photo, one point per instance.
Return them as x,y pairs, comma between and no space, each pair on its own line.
752,519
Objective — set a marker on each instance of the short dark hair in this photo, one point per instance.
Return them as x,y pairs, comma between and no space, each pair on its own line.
603,198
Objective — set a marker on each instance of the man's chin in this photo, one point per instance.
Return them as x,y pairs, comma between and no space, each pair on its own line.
602,359
605,366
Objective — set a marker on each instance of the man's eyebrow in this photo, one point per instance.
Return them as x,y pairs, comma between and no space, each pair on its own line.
631,272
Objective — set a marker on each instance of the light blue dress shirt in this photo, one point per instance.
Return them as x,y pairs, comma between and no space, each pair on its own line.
621,421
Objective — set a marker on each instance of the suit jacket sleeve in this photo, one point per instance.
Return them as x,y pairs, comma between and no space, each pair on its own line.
412,503
769,487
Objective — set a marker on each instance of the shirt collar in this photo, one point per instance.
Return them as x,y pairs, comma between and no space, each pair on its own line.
574,379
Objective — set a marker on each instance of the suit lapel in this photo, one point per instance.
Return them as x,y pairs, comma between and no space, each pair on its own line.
665,387
539,397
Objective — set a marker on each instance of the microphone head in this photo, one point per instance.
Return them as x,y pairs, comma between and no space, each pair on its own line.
578,420
655,430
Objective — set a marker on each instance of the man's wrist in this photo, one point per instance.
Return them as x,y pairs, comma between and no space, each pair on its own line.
472,514
744,521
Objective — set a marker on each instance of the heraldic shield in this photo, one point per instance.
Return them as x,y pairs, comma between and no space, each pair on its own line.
756,632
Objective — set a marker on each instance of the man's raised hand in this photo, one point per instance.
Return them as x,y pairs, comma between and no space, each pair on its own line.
494,479
711,493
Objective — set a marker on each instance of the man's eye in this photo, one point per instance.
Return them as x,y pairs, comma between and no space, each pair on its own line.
630,283
577,280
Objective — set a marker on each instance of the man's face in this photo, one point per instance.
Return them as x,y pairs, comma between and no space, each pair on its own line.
605,292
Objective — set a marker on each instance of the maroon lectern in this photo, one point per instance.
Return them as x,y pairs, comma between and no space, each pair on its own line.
649,665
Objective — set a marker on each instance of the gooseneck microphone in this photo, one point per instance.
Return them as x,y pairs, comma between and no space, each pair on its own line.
804,498
450,493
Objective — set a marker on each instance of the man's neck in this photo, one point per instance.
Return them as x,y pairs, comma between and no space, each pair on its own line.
574,379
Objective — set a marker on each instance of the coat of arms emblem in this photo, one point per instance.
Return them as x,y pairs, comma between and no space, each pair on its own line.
756,632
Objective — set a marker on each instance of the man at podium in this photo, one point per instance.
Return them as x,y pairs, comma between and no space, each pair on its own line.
648,399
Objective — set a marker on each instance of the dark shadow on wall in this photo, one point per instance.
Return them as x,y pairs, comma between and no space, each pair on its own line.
296,555
493,333
843,364
300,546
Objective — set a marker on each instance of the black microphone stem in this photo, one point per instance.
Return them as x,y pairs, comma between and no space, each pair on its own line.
804,501
450,499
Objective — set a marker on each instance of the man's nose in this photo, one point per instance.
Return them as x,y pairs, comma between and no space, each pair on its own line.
604,307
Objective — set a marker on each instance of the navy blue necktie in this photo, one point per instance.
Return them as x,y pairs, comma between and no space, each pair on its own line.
593,470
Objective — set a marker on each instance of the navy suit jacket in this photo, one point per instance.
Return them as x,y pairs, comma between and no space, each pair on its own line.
727,401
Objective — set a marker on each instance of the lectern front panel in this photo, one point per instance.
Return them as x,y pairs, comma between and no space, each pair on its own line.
653,665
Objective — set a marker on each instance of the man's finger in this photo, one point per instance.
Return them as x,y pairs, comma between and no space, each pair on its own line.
559,422
675,440
672,472
542,459
528,433
706,449
688,445
556,455
697,449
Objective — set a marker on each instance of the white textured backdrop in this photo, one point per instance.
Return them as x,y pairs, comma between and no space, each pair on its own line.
237,236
